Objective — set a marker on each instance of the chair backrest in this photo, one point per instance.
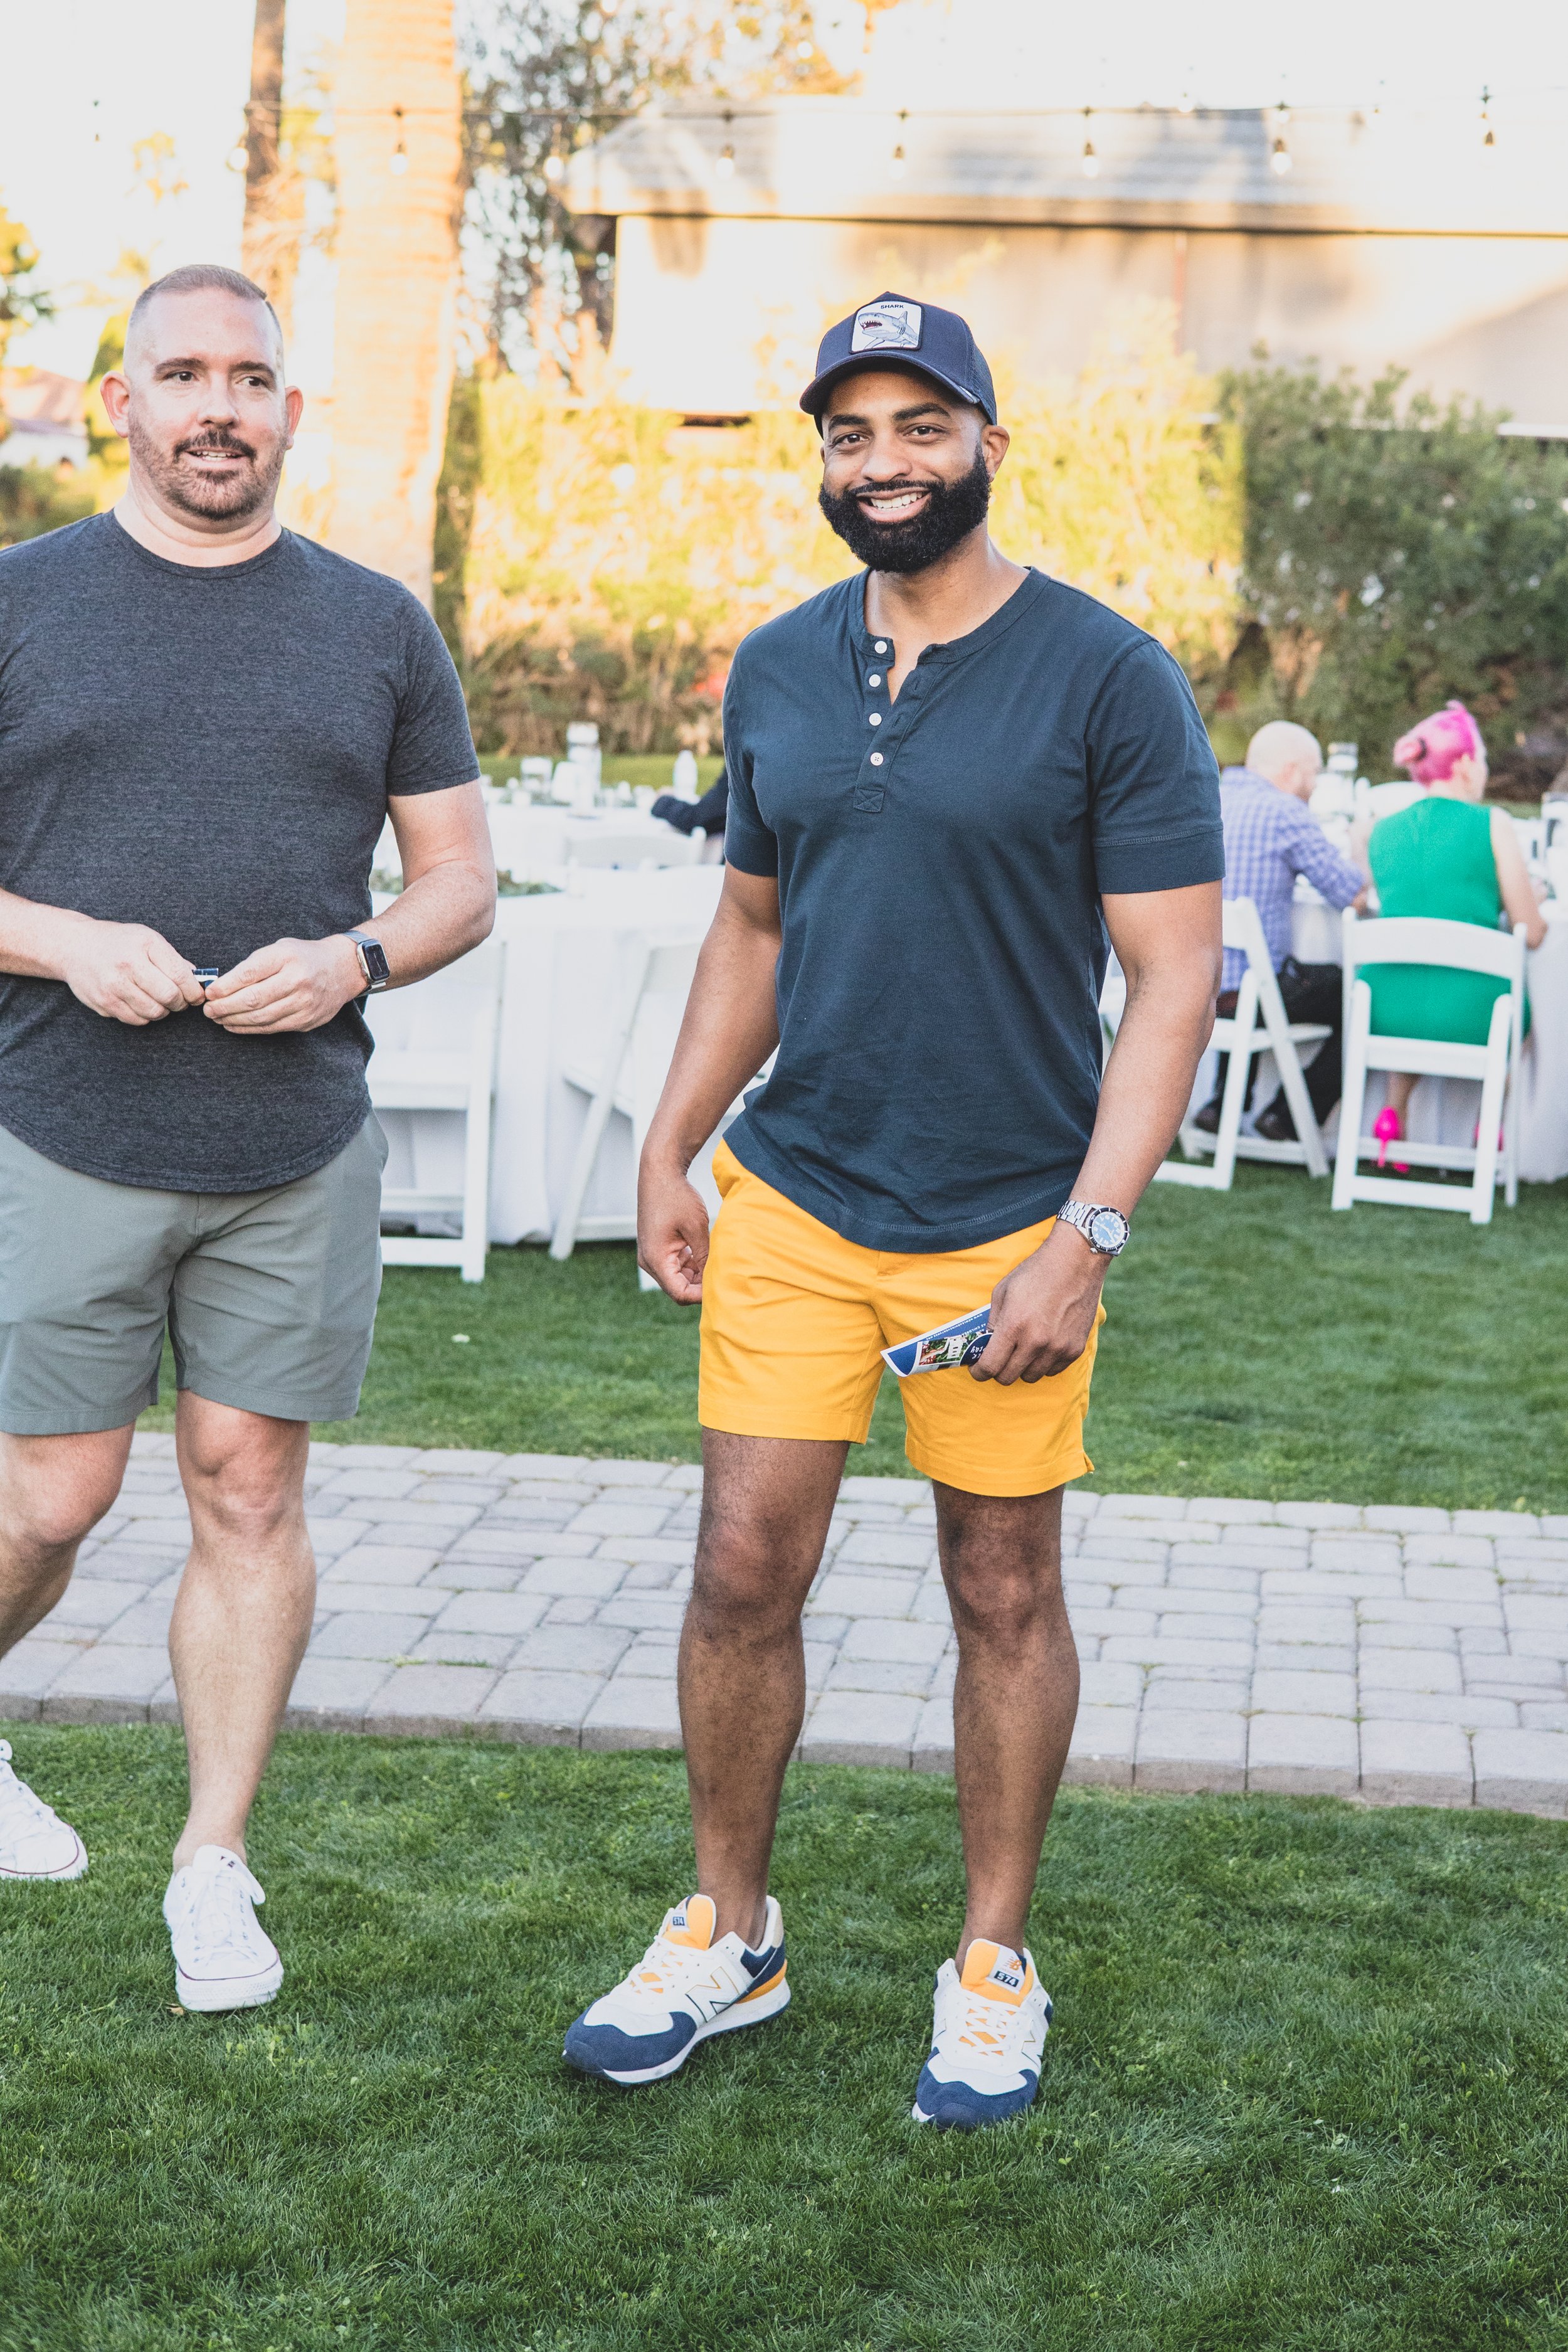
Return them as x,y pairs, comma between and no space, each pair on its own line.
633,846
1431,939
1241,926
451,1013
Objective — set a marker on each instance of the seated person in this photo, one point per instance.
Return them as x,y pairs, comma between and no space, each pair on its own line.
1445,856
1269,838
707,814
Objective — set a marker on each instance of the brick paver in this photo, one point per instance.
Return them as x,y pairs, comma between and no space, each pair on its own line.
1402,1656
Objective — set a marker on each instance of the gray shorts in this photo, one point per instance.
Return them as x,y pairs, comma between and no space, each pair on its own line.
269,1297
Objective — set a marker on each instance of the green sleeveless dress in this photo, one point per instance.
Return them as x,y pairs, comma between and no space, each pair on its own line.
1435,858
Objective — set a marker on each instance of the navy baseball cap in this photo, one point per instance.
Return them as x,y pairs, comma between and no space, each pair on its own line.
894,332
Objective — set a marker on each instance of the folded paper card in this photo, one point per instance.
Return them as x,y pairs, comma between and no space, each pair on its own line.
943,1349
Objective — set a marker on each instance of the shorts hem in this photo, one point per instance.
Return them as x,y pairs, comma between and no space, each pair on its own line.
1074,1463
737,1423
89,1421
276,1409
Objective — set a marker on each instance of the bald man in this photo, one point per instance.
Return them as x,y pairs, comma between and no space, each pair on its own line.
205,721
1269,838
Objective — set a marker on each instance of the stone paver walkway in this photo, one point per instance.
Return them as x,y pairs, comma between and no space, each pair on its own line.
1406,1656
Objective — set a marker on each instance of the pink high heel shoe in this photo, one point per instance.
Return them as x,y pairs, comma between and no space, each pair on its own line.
1386,1130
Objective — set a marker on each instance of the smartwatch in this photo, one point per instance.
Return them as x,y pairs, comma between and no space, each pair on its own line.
372,961
1104,1229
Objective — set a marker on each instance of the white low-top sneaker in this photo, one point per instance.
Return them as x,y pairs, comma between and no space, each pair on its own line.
988,2034
34,1840
222,1959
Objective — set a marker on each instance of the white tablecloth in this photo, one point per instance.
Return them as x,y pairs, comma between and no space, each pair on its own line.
563,968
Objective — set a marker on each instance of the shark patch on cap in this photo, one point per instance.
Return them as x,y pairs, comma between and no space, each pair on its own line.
887,326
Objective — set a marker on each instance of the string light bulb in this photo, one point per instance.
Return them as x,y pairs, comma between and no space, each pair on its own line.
1279,153
805,51
1490,135
725,169
897,164
1088,162
397,162
554,170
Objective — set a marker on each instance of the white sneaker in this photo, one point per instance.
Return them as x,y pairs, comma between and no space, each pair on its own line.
988,2035
34,1840
222,1959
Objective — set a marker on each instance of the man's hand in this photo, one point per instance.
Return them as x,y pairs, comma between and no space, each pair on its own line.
126,971
293,984
672,1232
1043,1312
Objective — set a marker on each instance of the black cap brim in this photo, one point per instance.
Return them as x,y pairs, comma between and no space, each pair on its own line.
815,398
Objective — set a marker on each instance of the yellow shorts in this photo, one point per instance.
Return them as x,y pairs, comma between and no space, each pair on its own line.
795,1318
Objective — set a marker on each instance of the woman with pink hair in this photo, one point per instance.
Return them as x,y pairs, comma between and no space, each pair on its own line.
1449,857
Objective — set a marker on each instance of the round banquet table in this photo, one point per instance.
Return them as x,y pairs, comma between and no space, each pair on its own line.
564,965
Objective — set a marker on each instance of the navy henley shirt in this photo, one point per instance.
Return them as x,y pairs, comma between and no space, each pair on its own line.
940,860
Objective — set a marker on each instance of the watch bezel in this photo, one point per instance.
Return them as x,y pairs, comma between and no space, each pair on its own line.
1122,1231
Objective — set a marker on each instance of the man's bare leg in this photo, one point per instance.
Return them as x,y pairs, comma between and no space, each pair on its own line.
53,1491
243,1615
1016,1698
766,1504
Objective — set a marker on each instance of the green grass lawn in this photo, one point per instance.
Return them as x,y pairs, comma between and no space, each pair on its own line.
1257,1344
1307,2086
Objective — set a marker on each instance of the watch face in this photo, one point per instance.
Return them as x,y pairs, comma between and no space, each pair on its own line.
1108,1229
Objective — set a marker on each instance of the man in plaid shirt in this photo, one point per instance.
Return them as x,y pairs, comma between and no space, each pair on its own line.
1270,837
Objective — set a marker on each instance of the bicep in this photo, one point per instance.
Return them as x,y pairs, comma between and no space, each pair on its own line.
1166,930
750,903
441,828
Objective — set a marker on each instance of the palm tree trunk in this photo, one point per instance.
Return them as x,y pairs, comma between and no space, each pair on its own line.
399,161
274,192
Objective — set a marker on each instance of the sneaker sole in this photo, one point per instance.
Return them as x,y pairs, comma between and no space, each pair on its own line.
228,1992
73,1869
765,2003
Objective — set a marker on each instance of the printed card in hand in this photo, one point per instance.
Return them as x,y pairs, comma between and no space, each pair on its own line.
947,1348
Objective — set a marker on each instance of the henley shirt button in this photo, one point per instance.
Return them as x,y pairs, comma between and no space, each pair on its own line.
875,759
876,718
874,678
880,647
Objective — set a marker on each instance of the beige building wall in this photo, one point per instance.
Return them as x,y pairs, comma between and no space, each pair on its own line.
721,315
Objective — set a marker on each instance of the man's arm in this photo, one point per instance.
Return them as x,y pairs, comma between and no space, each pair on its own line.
729,1028
446,907
1168,944
126,971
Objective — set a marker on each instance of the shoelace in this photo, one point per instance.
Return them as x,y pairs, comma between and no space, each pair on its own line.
213,1908
666,1968
979,2026
18,1805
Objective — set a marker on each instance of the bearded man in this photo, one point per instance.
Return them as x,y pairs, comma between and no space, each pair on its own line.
205,721
950,777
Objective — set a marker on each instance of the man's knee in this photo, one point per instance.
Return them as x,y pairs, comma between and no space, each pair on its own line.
749,1577
243,1474
55,1490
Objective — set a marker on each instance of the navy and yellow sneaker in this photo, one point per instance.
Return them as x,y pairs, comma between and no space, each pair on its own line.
987,2039
684,1988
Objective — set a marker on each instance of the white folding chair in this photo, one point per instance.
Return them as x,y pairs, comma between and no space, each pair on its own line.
1391,800
1459,947
632,846
1259,1025
444,1059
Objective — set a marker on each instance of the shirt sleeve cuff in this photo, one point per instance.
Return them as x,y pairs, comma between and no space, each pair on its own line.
1126,868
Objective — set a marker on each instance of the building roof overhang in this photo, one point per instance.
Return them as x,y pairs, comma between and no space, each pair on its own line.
835,159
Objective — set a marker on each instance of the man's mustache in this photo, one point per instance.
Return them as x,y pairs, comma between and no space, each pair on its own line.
892,490
227,442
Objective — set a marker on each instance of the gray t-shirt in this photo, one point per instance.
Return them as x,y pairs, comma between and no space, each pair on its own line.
209,751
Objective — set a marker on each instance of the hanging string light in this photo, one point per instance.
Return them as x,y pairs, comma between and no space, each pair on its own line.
1490,138
554,170
1280,154
1088,162
897,164
725,169
398,163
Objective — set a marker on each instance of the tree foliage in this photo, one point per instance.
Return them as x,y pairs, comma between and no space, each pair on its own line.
551,75
1397,552
21,299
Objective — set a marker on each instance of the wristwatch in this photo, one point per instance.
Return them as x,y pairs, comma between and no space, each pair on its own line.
1104,1229
373,962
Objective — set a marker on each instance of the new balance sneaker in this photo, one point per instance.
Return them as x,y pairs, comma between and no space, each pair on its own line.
987,2038
684,1988
222,1959
34,1840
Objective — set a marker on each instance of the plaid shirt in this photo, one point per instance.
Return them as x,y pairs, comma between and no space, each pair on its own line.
1270,837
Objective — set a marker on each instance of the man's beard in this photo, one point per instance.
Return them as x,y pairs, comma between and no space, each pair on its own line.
215,498
950,512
